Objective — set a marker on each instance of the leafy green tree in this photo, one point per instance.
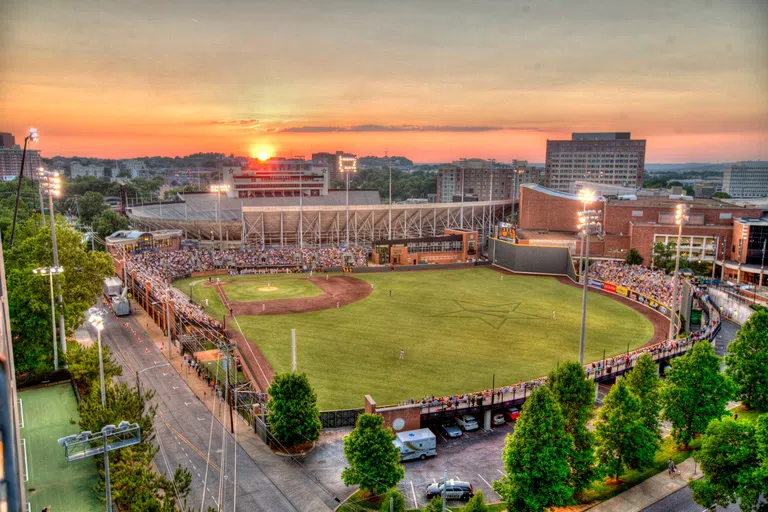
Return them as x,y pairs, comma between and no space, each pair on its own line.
110,221
663,253
695,392
721,195
394,495
83,364
536,457
28,294
293,414
374,462
623,441
747,362
576,396
728,458
476,503
90,206
435,505
645,384
633,257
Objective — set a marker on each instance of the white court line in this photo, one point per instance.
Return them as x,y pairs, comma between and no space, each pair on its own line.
26,464
21,413
413,491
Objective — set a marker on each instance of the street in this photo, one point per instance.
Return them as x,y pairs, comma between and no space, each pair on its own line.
189,435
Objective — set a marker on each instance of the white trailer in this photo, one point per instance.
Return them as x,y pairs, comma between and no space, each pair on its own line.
416,444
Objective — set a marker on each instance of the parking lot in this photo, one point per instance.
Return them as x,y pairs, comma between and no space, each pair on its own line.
474,457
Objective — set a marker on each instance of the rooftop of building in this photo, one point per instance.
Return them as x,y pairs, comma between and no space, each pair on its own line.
334,197
755,202
753,221
671,202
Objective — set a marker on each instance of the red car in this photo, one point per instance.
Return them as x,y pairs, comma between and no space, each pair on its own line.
512,414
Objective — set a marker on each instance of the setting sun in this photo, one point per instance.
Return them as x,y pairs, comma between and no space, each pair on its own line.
262,152
263,155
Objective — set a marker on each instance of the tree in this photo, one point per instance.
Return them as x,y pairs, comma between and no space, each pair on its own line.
536,457
28,294
645,384
695,392
663,253
394,495
576,396
476,503
747,362
728,458
721,195
435,505
90,206
293,414
110,221
83,364
374,462
623,441
633,257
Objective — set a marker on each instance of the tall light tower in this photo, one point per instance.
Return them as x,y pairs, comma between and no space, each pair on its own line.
40,178
97,321
492,161
218,189
33,137
463,162
589,224
585,196
681,217
347,165
49,272
389,161
51,184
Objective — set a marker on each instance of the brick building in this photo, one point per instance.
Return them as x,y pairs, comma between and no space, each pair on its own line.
551,217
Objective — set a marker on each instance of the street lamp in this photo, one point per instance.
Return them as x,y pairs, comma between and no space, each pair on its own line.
51,184
97,321
219,188
681,217
138,384
110,438
33,137
589,224
50,272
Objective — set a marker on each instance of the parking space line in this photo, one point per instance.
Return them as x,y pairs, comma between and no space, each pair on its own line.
502,473
489,485
441,435
413,491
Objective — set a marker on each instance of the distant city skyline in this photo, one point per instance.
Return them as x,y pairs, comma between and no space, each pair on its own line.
435,83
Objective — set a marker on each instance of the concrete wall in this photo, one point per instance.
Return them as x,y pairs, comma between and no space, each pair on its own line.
730,307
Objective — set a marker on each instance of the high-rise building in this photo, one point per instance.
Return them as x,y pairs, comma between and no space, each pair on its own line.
606,158
477,180
334,163
10,159
746,179
7,140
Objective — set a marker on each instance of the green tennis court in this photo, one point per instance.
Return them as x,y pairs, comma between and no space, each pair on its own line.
54,482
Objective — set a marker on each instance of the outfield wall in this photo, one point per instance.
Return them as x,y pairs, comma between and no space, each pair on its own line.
532,259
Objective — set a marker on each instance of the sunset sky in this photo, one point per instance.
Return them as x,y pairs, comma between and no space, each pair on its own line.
433,80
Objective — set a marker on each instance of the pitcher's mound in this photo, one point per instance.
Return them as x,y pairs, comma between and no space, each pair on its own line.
268,289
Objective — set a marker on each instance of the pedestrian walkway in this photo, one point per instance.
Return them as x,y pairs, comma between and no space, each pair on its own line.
650,491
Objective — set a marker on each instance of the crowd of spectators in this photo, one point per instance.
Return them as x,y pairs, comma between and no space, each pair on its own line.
654,284
657,286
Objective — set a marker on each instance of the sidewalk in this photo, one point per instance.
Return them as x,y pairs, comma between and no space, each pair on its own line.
650,491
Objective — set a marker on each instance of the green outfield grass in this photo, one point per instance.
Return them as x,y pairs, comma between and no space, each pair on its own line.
458,328
54,482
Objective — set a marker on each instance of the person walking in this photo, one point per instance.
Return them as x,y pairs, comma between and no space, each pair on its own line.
671,469
554,316
402,354
390,293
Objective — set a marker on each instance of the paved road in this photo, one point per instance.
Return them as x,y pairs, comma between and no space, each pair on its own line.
681,500
189,435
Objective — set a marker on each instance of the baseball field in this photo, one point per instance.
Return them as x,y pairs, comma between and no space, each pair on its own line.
457,329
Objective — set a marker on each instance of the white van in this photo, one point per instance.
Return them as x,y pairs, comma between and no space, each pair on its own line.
416,444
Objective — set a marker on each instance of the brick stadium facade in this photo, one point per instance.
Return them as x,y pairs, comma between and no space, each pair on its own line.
548,216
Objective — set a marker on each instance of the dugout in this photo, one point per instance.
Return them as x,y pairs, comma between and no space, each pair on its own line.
455,246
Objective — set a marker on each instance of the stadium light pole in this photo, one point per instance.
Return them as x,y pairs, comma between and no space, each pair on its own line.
33,137
40,178
219,188
52,186
681,217
50,272
585,196
343,167
463,162
492,161
589,224
389,161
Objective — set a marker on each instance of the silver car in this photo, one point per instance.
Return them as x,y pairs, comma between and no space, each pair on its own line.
450,429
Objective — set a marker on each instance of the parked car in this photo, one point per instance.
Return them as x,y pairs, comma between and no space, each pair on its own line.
512,414
454,490
467,422
498,419
450,429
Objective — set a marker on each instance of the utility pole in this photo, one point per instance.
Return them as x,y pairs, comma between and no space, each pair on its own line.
445,484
